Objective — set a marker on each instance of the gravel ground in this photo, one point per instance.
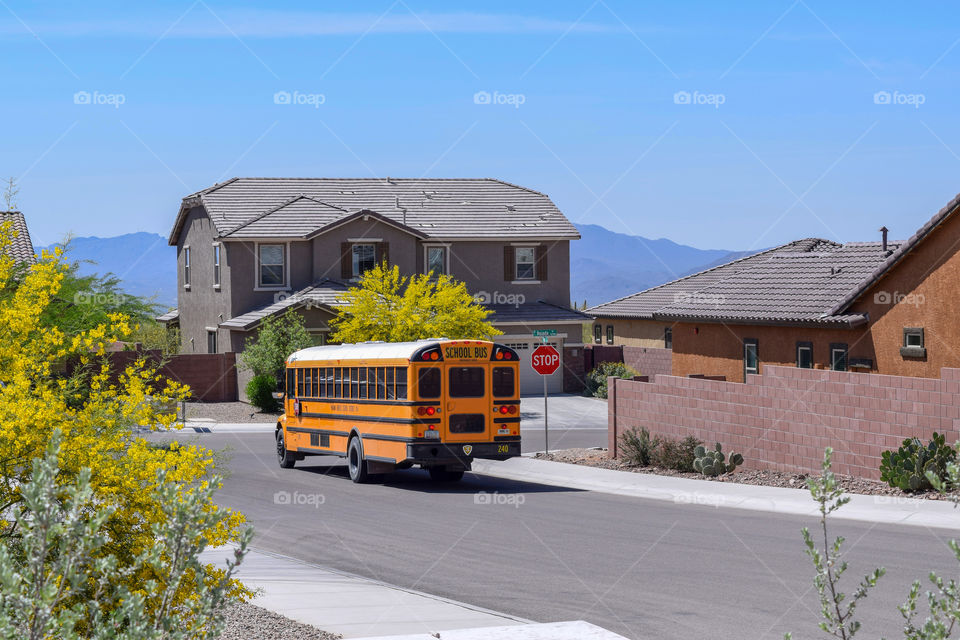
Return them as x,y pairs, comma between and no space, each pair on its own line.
598,458
228,412
248,621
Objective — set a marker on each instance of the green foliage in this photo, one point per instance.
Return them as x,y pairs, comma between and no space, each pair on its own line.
278,337
670,453
636,447
58,580
260,392
394,308
597,378
155,335
714,463
910,466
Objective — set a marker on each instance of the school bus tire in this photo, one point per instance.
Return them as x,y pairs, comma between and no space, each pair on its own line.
356,465
442,474
284,457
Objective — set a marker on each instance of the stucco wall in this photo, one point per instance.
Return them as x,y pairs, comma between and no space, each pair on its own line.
200,305
632,332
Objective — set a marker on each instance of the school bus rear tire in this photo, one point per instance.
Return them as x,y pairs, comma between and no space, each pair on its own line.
284,457
442,474
356,465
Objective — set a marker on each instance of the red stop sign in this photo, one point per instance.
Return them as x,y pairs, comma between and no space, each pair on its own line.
545,360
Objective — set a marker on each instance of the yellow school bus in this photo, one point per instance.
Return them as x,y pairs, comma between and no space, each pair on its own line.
438,404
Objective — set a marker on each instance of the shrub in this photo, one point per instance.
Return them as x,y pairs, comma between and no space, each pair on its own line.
636,447
908,467
260,392
597,379
277,338
714,463
670,453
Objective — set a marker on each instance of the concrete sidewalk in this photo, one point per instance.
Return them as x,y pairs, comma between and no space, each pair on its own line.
881,509
358,607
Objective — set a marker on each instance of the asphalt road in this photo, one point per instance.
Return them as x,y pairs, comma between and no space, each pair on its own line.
644,569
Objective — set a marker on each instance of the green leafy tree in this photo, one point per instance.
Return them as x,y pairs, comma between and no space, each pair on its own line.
393,308
266,354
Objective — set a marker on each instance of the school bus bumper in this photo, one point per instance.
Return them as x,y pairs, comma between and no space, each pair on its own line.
437,453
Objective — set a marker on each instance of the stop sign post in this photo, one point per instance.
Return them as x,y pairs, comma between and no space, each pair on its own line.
545,361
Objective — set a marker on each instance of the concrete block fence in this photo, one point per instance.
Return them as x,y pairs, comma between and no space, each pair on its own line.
212,377
783,419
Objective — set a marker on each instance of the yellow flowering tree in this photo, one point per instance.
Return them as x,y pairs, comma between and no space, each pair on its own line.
96,414
393,308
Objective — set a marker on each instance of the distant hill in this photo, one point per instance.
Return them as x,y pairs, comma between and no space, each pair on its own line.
605,265
144,262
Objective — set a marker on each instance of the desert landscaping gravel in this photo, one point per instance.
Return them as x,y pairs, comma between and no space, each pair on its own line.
599,458
233,412
250,622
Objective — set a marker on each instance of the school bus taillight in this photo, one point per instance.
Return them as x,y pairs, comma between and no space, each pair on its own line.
426,411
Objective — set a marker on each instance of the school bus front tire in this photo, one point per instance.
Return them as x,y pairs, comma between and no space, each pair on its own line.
284,457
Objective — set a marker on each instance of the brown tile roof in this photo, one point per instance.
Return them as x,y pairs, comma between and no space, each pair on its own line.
21,247
435,207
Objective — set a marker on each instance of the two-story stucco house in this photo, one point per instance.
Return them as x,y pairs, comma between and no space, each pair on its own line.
249,248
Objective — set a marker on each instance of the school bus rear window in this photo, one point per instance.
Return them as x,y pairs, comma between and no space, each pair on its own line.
466,382
428,383
502,382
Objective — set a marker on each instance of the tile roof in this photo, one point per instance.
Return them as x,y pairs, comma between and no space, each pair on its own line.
169,316
325,293
800,282
533,313
21,247
436,207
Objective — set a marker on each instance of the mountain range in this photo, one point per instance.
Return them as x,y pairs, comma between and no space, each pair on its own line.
604,265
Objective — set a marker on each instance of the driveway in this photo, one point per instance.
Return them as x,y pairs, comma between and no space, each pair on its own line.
573,421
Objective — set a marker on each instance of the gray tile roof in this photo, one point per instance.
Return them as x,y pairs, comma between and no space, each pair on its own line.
435,207
21,247
325,294
169,316
533,313
800,282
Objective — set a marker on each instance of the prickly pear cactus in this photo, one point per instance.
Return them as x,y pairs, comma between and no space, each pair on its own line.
907,467
714,463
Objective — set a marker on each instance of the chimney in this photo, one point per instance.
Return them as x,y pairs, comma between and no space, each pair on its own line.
884,231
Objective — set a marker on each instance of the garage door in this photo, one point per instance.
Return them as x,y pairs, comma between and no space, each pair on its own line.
531,382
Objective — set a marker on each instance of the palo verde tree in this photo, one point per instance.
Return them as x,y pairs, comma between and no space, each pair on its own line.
393,308
96,413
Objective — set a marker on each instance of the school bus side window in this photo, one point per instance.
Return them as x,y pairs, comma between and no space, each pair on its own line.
502,382
428,382
381,384
337,377
291,383
300,383
391,394
401,383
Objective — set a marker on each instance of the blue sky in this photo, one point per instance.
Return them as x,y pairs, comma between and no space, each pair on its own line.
713,125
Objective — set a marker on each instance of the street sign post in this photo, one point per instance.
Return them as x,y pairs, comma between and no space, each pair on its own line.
545,361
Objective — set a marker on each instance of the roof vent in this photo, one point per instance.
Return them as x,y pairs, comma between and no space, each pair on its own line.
883,232
510,207
835,270
397,202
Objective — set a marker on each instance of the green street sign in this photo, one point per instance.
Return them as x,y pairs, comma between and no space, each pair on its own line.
540,333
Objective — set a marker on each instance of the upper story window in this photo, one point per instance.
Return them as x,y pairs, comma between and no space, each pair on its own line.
364,258
805,355
216,265
436,261
751,356
272,265
838,357
186,267
526,261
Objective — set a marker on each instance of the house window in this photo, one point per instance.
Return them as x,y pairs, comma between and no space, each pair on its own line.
211,341
216,265
526,263
186,266
913,343
609,334
272,265
751,359
668,338
805,355
436,260
364,258
598,333
838,357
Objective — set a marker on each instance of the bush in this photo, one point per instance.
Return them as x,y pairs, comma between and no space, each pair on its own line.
260,392
907,468
636,447
597,379
678,455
